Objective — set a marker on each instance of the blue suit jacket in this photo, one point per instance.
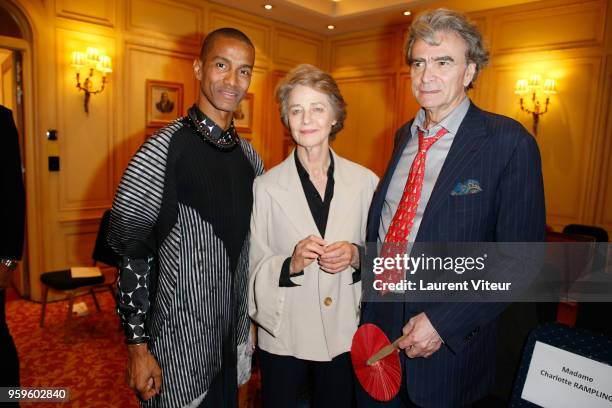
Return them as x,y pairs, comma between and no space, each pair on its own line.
499,153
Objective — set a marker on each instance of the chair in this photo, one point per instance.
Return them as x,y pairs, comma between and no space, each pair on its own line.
562,312
62,281
592,315
600,234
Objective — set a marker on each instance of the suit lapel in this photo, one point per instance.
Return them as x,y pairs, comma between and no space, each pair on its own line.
380,194
469,139
289,194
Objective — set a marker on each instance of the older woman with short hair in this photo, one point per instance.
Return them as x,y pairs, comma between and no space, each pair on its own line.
309,219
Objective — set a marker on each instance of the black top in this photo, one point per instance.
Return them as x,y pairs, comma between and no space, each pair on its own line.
12,204
319,209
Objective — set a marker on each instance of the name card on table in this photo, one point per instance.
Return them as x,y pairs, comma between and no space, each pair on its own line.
559,379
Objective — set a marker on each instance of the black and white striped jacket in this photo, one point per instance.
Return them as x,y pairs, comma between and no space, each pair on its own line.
180,221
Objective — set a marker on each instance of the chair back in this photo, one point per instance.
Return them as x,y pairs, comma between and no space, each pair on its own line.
595,315
102,251
600,234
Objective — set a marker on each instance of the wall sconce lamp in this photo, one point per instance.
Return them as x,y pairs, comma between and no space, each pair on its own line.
534,86
94,61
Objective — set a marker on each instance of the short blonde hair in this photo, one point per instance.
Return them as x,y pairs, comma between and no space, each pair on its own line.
312,77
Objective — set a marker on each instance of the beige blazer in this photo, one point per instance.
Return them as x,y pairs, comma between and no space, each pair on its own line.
315,321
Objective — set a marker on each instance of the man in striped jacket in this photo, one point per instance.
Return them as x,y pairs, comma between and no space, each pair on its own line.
180,221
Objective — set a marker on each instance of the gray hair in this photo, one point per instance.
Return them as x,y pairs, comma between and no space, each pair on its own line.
312,77
428,23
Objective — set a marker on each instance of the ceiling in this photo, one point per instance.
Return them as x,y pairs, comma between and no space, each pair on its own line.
353,15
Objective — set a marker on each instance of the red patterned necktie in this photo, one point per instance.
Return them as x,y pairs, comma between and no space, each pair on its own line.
396,239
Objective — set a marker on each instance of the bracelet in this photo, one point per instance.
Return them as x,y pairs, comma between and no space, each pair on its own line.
138,340
9,263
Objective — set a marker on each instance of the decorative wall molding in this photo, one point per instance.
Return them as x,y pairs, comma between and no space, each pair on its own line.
258,33
364,52
89,11
549,27
85,140
287,43
80,242
165,19
566,134
367,137
603,213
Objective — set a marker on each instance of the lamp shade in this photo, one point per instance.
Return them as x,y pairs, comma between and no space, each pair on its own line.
521,87
78,59
104,65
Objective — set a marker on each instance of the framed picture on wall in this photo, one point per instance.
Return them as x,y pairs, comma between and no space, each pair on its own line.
243,116
164,102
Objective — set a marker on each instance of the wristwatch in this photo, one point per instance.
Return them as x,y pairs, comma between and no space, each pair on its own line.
9,263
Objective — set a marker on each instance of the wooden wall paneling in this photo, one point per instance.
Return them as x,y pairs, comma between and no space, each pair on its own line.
83,187
260,105
547,27
402,36
565,133
364,53
74,240
80,240
484,26
170,20
7,95
482,92
257,30
91,11
144,63
326,56
278,141
85,140
603,215
369,126
608,32
478,92
292,48
579,102
158,39
407,106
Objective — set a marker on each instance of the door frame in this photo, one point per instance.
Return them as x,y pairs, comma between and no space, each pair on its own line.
31,159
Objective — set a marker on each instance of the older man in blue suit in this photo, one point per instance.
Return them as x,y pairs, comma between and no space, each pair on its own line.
457,174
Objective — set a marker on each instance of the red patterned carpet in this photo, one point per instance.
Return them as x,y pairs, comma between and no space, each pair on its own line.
86,355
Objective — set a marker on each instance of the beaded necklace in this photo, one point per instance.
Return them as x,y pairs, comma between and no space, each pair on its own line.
226,141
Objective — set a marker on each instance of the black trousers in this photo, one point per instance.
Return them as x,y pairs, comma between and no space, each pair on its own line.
9,374
402,400
282,378
223,391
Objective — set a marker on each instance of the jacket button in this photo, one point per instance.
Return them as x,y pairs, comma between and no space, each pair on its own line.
327,301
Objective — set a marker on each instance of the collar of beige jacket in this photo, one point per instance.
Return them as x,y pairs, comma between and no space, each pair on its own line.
290,196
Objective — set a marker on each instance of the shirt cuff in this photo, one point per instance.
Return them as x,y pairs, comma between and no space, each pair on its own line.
357,271
285,278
